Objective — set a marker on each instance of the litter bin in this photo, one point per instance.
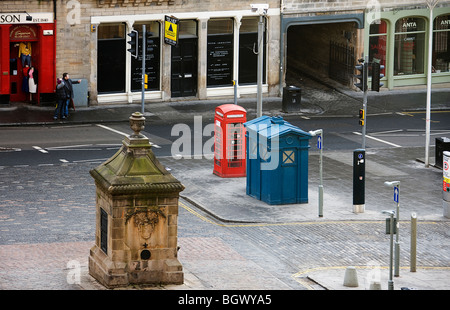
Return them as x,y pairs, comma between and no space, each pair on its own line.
442,145
277,161
292,97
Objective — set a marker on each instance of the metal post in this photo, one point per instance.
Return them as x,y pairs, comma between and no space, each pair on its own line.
391,281
431,5
413,242
320,175
143,69
397,242
235,91
319,133
260,66
366,90
396,186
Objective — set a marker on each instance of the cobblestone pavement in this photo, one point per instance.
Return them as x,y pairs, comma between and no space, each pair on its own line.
47,224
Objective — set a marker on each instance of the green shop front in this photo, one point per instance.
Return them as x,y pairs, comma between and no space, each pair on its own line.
398,40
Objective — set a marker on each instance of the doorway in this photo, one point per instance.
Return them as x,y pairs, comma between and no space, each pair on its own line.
184,68
184,61
18,72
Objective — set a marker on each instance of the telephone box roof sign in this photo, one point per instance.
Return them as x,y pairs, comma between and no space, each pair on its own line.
230,109
171,30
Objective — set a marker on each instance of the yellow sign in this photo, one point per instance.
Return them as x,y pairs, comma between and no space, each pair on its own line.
171,30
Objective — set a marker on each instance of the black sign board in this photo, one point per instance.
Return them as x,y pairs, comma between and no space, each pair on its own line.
151,68
220,60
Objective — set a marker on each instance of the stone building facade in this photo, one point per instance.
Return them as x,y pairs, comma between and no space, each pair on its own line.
218,43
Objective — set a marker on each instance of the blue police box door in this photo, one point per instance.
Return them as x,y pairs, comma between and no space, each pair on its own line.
289,176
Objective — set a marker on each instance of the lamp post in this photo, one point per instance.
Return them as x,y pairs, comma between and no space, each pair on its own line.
431,4
261,9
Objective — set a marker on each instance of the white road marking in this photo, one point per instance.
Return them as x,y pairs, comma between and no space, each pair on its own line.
123,134
376,139
111,129
67,146
40,149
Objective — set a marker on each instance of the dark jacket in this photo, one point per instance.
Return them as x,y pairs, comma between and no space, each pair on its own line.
65,89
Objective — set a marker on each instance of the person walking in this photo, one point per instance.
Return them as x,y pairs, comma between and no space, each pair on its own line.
67,90
61,99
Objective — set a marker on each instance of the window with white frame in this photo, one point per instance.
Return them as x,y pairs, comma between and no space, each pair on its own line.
220,52
409,49
378,43
441,44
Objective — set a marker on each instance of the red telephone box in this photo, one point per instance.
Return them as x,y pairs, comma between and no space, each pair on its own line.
229,141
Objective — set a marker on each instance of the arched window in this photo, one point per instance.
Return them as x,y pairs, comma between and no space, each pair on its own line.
377,42
409,50
441,44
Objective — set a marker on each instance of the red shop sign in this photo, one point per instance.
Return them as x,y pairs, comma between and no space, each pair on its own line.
23,32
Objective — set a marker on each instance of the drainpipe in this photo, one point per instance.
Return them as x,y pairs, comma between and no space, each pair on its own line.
281,48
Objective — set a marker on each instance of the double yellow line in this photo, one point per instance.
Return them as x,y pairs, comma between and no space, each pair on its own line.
422,112
205,219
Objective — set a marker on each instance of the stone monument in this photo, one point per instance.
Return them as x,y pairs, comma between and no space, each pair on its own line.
136,218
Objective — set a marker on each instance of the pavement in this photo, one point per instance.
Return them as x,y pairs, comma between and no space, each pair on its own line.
225,200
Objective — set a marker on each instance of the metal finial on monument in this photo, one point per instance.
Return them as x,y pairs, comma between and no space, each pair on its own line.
137,123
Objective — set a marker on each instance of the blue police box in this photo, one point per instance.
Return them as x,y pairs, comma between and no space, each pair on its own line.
277,161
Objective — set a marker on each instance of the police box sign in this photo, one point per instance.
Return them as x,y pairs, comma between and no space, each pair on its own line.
24,18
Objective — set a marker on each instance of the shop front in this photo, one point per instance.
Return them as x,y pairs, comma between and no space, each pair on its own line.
27,56
214,50
399,42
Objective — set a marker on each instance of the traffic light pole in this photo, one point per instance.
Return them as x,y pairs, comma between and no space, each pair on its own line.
143,69
366,90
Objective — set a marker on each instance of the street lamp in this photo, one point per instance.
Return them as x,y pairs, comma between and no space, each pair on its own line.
390,281
431,4
261,9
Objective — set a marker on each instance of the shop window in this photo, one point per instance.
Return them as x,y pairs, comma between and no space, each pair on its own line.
188,28
441,44
152,60
409,50
377,43
111,58
220,52
248,45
